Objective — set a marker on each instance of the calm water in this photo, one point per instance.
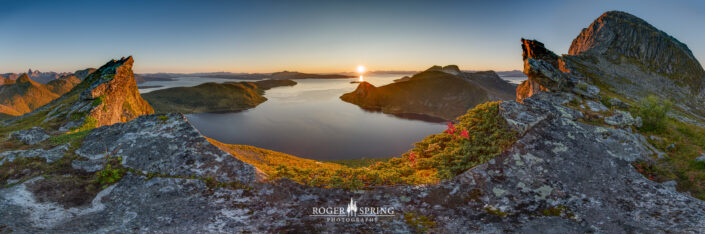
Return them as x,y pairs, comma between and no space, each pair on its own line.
309,120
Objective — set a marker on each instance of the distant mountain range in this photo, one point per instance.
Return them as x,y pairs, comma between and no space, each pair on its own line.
283,75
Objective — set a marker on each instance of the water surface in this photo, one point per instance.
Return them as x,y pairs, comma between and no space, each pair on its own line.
309,120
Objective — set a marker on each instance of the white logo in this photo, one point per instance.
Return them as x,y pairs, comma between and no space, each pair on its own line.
352,208
352,213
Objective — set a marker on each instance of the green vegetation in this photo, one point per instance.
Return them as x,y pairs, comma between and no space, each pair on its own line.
88,123
682,143
74,139
559,210
487,136
163,118
112,172
419,223
653,113
494,211
480,135
363,162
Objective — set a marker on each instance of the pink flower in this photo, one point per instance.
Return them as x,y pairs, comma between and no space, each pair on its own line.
451,129
412,157
465,134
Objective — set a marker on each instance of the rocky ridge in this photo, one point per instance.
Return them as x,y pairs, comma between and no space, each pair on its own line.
627,55
107,96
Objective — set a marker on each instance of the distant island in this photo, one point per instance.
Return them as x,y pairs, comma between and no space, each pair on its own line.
442,92
212,97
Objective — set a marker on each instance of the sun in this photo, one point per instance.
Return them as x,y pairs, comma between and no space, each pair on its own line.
360,69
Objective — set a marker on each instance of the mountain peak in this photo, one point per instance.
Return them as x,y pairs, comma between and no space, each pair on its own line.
618,35
450,69
107,96
24,78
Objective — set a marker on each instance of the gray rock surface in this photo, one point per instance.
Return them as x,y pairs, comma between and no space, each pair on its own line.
49,155
619,103
700,158
162,144
623,119
596,106
30,136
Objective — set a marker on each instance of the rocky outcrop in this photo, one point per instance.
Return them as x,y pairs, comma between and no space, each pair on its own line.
114,86
109,95
436,92
631,57
616,34
543,68
164,145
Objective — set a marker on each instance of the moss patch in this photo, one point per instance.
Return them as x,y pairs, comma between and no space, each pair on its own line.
419,223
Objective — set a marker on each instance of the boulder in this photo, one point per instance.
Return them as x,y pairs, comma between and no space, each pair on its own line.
623,119
30,136
596,106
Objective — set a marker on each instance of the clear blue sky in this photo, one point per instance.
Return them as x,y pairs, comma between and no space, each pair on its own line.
309,36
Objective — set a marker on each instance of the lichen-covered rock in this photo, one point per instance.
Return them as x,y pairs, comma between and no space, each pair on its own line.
596,106
623,119
618,103
30,136
162,144
49,155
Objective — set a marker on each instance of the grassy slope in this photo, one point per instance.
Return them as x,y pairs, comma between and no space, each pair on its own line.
688,140
212,97
432,93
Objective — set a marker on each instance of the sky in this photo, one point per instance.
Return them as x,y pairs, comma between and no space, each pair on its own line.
310,36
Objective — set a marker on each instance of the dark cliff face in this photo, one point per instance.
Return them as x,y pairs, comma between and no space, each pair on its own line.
615,34
536,50
541,66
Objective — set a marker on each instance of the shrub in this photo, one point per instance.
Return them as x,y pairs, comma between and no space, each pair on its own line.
109,175
653,113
